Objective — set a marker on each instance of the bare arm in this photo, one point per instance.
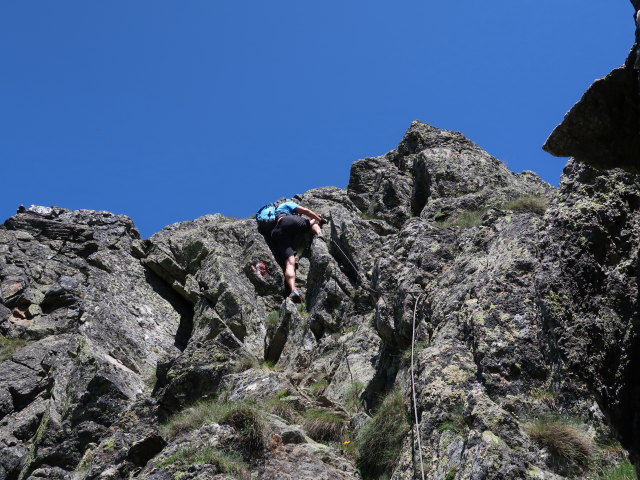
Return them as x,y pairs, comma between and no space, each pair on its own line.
308,213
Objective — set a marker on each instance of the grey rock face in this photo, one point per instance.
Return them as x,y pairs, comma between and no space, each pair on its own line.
434,174
127,333
588,282
589,291
98,322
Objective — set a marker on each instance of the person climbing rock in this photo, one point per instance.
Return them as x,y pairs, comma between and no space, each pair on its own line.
290,224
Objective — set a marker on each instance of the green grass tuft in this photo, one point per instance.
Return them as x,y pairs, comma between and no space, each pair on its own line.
242,416
455,422
622,471
463,219
353,402
405,356
448,426
245,362
269,365
451,474
283,393
440,216
272,318
323,426
198,414
564,437
545,395
9,346
302,310
528,203
247,421
380,440
365,215
281,407
225,462
316,388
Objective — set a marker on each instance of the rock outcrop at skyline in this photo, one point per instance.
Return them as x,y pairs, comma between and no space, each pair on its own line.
602,128
177,357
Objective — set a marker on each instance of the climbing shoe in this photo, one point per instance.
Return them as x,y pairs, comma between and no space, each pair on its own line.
295,296
320,237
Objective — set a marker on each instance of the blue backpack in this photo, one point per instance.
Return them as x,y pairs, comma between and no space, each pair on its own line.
266,218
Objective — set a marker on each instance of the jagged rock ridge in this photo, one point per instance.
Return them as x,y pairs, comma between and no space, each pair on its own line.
127,332
522,313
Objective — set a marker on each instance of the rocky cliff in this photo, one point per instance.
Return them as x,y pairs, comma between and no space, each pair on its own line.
462,322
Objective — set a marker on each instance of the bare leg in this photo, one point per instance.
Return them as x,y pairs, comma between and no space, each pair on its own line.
315,228
290,272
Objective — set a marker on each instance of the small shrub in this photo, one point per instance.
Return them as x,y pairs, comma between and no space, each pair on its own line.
528,203
623,471
380,440
9,346
566,441
323,426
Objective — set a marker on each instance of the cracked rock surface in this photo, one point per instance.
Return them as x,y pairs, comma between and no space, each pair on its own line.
178,357
121,334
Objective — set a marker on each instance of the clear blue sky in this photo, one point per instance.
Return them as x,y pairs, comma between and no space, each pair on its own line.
168,110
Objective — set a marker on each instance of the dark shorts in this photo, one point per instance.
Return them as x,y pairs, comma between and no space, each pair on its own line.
287,232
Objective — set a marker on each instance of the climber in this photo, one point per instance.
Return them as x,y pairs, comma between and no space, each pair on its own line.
289,225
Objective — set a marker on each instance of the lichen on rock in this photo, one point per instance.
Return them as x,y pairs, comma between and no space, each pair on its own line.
497,298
